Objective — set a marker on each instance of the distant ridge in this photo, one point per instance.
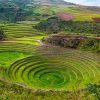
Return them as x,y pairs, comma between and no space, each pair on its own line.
51,2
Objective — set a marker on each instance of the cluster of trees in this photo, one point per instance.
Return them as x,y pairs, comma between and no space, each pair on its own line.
51,25
81,27
2,35
90,44
14,10
54,25
19,3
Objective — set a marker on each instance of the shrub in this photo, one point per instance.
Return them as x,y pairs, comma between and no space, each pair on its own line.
49,26
90,44
55,25
2,35
94,89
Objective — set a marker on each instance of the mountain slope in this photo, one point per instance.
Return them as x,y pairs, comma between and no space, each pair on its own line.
51,2
30,10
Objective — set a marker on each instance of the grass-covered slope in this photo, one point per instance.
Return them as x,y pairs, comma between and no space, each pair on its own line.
24,62
32,70
51,2
13,11
20,29
48,68
20,93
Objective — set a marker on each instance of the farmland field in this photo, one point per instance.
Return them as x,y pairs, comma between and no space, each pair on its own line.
29,64
64,68
49,50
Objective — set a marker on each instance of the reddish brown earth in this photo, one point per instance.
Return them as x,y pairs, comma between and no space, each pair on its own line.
64,16
96,19
97,37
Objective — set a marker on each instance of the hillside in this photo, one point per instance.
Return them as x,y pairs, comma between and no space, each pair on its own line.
30,10
49,50
51,2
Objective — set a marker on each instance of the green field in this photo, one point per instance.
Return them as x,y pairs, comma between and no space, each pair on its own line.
79,14
35,68
66,69
49,50
25,62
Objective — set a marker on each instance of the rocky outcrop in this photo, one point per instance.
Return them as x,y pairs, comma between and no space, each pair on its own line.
64,41
76,42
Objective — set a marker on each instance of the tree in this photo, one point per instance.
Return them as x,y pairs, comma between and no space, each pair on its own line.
2,35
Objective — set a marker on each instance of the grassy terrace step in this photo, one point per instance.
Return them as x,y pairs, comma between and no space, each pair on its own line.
20,30
14,46
44,67
55,68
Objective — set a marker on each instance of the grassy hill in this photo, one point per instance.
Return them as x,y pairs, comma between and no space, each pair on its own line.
31,69
12,11
51,2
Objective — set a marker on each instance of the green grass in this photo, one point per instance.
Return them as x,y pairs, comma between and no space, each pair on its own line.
35,38
20,29
7,58
22,32
52,68
33,67
20,93
82,15
45,68
79,14
29,71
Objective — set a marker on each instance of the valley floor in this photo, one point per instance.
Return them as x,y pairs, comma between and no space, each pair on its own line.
28,69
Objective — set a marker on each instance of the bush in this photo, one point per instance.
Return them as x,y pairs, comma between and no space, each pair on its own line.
51,25
90,44
55,25
94,89
2,35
